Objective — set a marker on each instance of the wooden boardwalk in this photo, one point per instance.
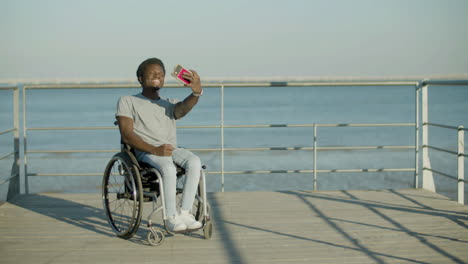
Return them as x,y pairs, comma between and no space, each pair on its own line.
389,226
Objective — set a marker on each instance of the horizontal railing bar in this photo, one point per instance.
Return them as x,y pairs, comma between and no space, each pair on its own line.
312,171
7,131
231,149
94,151
366,147
205,149
446,175
445,82
318,171
245,172
317,125
8,87
441,149
365,125
234,126
246,84
82,86
7,155
351,83
264,171
439,125
66,174
105,127
319,83
107,86
255,149
368,170
8,179
207,126
445,126
70,128
75,151
318,148
225,84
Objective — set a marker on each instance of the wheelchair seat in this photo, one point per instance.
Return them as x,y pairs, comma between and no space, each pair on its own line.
150,182
145,166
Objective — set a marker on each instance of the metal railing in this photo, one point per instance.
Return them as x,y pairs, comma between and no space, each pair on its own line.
15,130
460,153
315,149
222,128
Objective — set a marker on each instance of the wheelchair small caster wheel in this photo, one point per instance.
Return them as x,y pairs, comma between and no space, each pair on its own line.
155,237
208,230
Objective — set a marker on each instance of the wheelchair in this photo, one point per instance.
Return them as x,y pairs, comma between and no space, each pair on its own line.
128,184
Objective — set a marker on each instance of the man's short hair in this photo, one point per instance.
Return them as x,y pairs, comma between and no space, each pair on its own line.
141,69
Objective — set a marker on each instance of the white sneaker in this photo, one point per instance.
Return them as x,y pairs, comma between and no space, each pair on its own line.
189,220
175,224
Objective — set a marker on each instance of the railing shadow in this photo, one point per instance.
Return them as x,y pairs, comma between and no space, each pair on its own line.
81,215
84,216
374,255
229,245
77,214
373,207
406,230
14,182
232,249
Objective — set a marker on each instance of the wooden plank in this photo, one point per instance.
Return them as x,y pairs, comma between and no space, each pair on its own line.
250,227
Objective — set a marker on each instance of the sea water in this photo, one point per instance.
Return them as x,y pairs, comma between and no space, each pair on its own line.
247,106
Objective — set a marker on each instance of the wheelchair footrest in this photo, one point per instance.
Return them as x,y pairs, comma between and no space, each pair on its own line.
130,197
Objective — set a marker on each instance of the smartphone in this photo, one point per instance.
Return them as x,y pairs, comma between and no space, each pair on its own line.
178,73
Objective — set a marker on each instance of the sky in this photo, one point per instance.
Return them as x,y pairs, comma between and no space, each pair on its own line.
107,39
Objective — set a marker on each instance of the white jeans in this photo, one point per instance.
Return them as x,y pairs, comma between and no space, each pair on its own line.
165,164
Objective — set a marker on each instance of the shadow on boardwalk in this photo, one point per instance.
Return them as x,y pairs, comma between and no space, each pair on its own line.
409,226
395,226
348,229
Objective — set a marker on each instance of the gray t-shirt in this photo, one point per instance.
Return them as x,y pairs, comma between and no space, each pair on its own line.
153,120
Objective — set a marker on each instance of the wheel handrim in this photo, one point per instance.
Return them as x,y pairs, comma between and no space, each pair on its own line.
120,196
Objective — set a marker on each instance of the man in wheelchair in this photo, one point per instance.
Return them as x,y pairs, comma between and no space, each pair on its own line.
147,123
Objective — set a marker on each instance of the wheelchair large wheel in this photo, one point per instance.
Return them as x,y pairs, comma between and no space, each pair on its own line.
122,195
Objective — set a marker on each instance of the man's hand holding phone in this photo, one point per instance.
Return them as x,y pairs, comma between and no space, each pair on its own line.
195,82
189,78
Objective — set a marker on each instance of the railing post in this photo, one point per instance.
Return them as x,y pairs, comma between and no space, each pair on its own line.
315,157
428,178
416,140
222,137
16,141
461,165
25,143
